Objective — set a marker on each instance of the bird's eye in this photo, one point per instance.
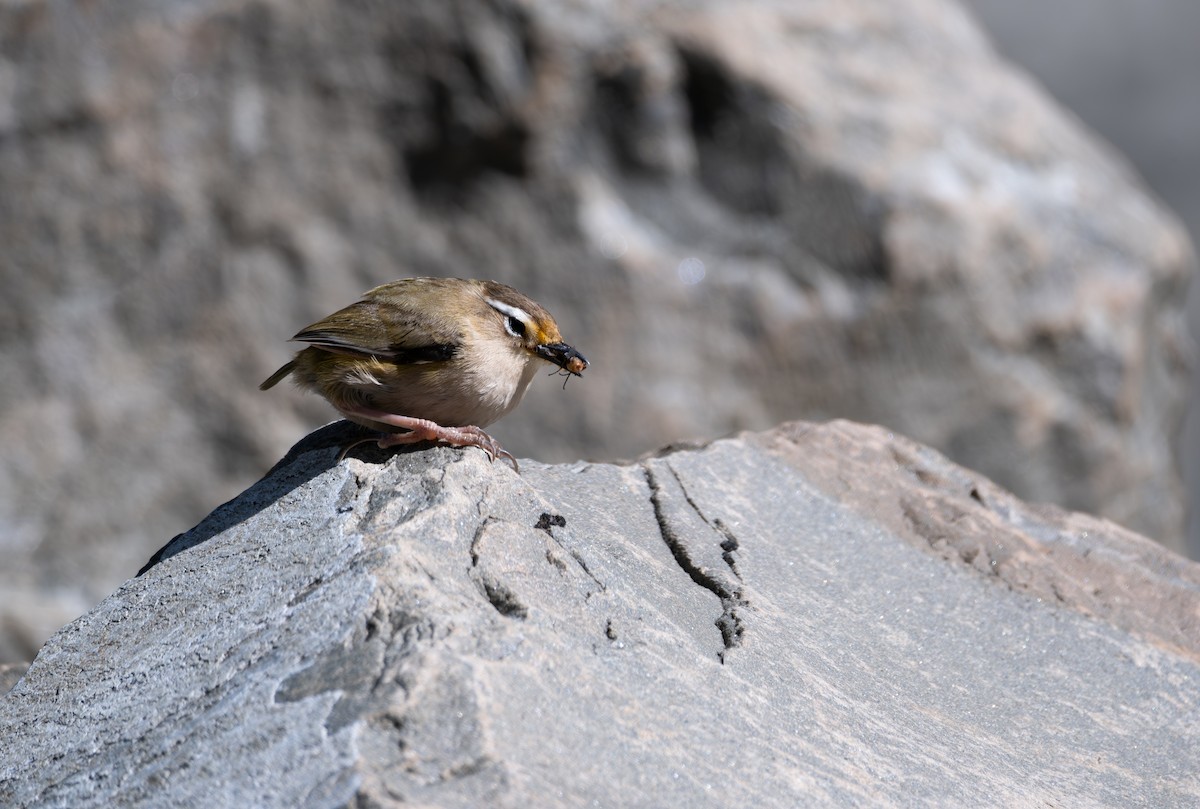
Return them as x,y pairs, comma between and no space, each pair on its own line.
514,325
516,320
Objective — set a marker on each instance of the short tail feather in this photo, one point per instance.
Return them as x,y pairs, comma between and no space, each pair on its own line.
275,378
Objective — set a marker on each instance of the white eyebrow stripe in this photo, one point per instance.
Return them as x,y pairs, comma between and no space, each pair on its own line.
511,311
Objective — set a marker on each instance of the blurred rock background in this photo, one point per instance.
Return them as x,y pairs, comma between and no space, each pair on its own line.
741,213
1131,72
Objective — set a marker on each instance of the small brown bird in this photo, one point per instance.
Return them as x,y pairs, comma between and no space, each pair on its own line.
438,358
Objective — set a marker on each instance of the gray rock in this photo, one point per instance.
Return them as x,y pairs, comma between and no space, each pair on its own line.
741,215
812,616
10,673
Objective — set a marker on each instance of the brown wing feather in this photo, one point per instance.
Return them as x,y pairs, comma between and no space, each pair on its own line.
388,329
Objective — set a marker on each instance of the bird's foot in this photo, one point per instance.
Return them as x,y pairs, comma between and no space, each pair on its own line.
426,430
468,436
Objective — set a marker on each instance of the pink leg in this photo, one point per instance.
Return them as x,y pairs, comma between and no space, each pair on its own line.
426,430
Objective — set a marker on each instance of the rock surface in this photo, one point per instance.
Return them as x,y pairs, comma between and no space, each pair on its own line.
1129,77
740,213
817,615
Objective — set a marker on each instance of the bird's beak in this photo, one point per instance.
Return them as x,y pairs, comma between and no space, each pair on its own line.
563,356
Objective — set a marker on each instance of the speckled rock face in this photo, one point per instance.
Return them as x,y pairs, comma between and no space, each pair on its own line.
818,615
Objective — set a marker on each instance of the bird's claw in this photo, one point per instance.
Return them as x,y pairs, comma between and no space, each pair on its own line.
468,436
478,438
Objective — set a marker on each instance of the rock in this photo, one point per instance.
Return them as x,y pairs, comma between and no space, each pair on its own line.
10,673
741,215
815,615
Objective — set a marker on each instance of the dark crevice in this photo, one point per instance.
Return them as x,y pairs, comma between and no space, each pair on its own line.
547,522
459,120
750,163
502,599
457,158
305,592
743,161
475,541
729,542
729,624
728,546
584,566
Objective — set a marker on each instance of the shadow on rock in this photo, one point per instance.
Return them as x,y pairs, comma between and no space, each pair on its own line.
323,447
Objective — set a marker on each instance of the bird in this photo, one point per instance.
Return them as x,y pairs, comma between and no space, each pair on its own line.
430,359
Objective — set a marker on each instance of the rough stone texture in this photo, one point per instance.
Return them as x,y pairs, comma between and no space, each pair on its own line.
818,615
10,673
740,213
1129,72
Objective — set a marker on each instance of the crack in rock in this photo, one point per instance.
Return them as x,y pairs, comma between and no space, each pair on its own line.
729,543
502,599
729,623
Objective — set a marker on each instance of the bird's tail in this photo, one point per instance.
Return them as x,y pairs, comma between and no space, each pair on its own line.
274,378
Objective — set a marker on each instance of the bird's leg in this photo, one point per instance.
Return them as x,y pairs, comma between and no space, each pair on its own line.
426,430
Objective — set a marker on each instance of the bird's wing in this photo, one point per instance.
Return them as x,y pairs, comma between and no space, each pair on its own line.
387,330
